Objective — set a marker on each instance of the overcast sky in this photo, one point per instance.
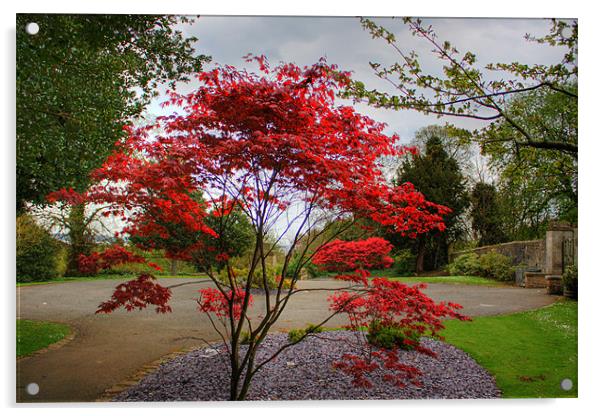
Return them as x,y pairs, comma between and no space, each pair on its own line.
303,40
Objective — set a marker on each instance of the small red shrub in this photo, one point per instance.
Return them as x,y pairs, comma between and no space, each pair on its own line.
393,305
345,256
112,256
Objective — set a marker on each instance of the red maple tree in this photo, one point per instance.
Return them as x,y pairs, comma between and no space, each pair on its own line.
276,146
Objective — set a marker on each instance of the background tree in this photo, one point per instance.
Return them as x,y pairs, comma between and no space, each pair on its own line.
79,80
486,215
536,185
70,215
457,144
37,253
236,237
437,175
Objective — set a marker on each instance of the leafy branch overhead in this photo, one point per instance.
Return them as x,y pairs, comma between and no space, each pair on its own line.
468,90
79,80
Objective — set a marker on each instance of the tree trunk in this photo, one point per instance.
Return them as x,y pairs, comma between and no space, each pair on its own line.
173,267
79,238
233,388
235,370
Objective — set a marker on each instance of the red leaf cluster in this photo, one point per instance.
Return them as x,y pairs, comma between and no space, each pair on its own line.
395,304
395,372
67,196
138,294
215,302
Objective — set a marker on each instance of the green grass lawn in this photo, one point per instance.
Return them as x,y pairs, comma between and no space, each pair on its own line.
529,353
107,277
452,280
35,335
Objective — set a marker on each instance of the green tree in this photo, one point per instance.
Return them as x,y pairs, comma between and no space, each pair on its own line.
79,80
438,176
537,185
529,114
457,144
486,214
237,236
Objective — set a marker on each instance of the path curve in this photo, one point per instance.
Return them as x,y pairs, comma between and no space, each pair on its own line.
110,348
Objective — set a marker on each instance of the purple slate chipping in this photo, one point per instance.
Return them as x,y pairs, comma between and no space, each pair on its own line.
304,372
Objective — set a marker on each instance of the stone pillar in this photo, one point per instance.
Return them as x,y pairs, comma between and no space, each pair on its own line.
556,234
575,235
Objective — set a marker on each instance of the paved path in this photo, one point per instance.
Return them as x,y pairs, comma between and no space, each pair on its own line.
109,348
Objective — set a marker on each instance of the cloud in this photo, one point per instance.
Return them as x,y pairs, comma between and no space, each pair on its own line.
342,40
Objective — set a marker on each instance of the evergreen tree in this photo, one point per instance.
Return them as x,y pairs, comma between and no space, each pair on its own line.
486,215
438,176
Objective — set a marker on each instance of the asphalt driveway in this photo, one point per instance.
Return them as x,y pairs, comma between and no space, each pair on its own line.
109,348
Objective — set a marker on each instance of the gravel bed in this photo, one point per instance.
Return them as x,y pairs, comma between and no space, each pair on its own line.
304,372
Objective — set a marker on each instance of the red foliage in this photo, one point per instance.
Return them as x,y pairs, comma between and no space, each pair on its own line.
357,367
215,302
259,143
138,294
391,304
112,256
395,372
67,196
394,304
344,256
273,138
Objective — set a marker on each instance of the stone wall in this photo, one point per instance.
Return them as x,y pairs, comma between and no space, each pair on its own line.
531,253
537,259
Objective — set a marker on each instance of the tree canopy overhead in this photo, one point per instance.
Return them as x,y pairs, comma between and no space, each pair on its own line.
468,90
79,80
